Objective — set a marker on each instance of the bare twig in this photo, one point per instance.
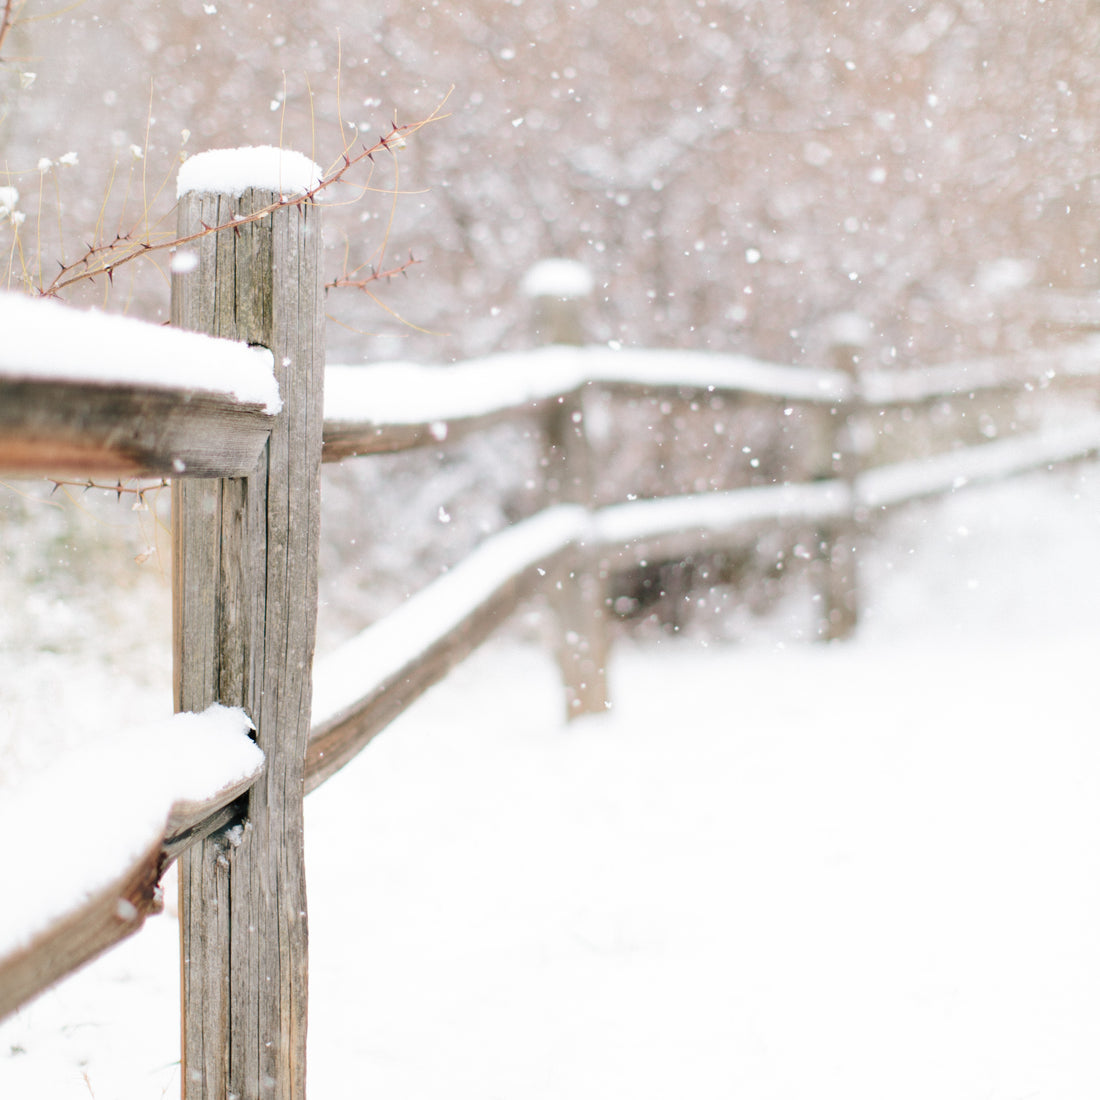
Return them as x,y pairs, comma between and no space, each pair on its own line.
349,280
7,17
104,259
118,488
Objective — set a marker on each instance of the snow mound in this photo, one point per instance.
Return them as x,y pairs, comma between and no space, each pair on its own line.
47,340
111,803
558,279
234,171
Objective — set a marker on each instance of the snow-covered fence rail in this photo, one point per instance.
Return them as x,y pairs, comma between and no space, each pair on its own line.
90,877
399,406
96,395
238,429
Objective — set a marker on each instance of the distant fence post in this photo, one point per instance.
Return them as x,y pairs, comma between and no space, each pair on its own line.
839,539
244,619
557,289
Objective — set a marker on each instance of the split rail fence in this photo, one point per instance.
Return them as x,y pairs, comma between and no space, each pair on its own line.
246,523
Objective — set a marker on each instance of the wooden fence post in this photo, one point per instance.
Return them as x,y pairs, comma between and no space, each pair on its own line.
839,539
557,289
580,586
245,607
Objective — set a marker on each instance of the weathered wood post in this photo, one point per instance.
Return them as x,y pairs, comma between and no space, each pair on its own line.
839,540
245,607
557,289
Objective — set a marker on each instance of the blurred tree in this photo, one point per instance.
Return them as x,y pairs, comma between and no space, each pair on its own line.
734,172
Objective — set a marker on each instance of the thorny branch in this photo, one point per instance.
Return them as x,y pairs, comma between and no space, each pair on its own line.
349,278
105,259
118,488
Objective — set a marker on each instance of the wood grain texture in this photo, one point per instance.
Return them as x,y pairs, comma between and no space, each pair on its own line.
347,438
85,429
245,604
113,914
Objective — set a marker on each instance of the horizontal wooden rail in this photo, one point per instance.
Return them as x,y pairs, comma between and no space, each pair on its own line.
371,679
195,423
54,429
116,911
111,915
61,935
96,395
398,406
395,406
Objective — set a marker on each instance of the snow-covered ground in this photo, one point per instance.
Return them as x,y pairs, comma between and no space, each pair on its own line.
773,870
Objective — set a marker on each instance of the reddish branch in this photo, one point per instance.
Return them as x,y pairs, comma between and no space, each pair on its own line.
118,488
6,20
106,259
348,279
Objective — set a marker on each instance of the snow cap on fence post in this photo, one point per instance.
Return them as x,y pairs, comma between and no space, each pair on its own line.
849,330
558,289
259,167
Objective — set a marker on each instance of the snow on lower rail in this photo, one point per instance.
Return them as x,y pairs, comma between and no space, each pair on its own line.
1031,370
79,825
45,340
619,524
382,651
368,680
904,481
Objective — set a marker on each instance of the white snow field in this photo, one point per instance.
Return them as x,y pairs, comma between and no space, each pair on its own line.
773,870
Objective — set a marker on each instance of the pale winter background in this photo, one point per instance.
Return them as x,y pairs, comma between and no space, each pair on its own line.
774,869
